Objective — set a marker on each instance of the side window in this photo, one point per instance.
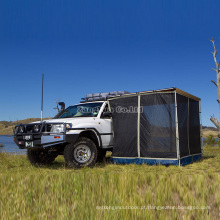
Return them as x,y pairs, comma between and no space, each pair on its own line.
106,113
106,108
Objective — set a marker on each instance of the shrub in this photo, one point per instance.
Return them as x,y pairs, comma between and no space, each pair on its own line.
210,140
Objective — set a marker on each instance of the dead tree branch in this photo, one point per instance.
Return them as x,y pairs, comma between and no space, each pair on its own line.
215,121
215,56
214,83
57,105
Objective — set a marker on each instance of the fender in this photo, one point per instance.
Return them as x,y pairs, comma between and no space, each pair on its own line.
94,130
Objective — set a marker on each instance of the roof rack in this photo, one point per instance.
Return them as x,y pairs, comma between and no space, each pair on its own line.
102,96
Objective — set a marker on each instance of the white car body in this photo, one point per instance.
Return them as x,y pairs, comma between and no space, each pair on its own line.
102,127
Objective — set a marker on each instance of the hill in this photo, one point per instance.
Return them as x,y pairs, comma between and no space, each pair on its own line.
206,131
6,127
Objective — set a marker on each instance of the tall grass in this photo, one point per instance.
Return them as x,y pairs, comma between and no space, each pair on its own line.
56,192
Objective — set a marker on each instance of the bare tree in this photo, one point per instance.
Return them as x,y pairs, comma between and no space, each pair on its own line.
214,120
57,105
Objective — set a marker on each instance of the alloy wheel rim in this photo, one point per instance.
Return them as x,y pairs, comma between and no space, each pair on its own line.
82,153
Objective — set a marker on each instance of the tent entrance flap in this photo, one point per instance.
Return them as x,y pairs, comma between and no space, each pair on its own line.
189,126
125,119
157,126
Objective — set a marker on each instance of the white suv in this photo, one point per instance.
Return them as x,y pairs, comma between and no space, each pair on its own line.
82,133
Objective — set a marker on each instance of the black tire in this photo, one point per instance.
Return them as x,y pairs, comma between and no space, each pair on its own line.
81,154
40,157
101,156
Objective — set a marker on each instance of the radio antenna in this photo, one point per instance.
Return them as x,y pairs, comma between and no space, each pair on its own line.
42,98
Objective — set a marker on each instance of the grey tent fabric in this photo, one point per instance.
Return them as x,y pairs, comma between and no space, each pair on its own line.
182,112
125,127
157,126
166,129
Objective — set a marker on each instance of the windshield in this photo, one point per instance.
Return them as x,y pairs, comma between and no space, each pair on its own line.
82,110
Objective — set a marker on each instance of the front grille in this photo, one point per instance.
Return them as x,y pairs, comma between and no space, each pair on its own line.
48,127
34,137
29,128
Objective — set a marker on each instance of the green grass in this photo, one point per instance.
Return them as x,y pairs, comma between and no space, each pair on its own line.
56,192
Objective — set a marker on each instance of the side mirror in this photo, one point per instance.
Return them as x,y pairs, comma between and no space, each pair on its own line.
106,115
62,104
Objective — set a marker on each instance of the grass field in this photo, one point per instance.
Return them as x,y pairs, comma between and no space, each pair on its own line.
127,191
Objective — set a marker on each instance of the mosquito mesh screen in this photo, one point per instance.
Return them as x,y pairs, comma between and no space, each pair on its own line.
125,126
157,126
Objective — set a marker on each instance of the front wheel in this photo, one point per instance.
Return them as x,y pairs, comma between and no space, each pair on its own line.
40,157
81,154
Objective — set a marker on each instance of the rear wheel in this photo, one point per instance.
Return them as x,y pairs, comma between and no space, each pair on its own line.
81,154
40,157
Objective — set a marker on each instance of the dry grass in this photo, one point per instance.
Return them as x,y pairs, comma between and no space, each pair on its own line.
206,132
56,192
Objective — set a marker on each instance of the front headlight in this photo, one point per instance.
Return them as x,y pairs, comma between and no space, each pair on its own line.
37,128
21,129
16,130
69,125
57,128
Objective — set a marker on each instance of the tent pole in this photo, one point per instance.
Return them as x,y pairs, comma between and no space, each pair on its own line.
138,126
188,128
201,134
177,131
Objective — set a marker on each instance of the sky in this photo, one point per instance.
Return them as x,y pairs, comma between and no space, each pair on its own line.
90,46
